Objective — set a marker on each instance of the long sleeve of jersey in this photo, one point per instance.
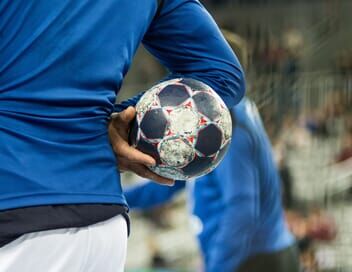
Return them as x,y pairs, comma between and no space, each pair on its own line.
187,41
149,194
239,185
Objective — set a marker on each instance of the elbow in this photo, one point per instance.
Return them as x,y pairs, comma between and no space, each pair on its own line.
228,81
235,85
230,84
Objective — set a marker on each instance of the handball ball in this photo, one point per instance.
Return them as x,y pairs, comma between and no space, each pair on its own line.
184,125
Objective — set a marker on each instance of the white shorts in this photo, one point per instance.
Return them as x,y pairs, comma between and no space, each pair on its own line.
97,248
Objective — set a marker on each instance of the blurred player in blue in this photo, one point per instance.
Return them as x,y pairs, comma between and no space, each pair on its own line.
62,64
238,205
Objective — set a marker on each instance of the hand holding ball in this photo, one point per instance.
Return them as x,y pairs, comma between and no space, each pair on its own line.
184,125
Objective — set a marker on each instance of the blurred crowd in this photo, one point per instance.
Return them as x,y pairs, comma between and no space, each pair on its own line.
344,61
301,110
310,222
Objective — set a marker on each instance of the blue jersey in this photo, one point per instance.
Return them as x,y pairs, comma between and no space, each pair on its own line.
238,205
62,63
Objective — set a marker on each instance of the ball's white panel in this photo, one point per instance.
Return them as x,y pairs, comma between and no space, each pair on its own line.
163,84
176,152
218,98
183,121
147,101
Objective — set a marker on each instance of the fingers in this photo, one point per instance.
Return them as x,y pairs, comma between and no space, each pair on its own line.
124,150
121,122
126,116
159,179
133,155
144,172
130,158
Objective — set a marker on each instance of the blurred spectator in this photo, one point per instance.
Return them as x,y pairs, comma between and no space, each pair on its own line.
346,150
315,226
344,62
316,124
287,184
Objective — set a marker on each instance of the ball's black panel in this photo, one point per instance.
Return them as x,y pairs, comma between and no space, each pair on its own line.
132,138
221,154
149,149
209,140
154,124
173,95
198,166
207,105
194,84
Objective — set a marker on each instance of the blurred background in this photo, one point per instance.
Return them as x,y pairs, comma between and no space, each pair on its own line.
298,61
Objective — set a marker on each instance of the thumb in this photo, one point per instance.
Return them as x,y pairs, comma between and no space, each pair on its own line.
127,115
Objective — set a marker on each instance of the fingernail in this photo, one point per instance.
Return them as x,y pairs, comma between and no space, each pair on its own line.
151,163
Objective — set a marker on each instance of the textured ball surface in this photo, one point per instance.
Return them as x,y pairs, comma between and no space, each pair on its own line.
185,126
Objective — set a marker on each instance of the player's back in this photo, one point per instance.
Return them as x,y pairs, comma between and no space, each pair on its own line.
61,64
241,198
271,231
67,58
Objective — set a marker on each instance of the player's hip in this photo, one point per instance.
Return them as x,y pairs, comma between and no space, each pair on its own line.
99,247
